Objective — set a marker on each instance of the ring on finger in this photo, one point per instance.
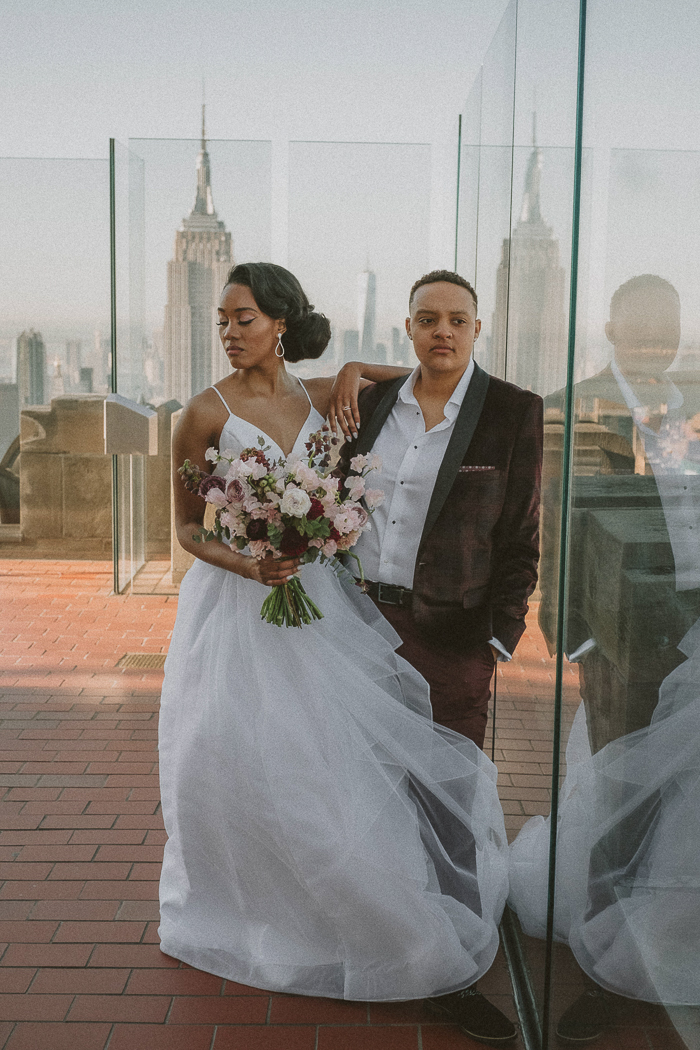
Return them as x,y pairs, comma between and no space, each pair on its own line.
347,408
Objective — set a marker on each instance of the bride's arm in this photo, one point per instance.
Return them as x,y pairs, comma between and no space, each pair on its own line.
197,430
342,403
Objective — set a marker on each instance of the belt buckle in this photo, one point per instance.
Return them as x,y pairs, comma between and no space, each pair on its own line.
389,594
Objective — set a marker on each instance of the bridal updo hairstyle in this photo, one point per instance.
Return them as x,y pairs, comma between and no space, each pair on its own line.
279,295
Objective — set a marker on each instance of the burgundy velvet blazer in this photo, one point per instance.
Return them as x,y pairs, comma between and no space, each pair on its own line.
477,560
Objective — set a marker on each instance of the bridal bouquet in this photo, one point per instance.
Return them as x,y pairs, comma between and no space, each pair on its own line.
287,508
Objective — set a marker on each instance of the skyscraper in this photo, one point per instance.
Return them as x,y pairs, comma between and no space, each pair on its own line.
74,348
351,344
201,260
31,369
367,313
529,320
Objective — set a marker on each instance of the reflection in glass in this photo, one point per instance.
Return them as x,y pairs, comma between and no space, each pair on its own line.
627,894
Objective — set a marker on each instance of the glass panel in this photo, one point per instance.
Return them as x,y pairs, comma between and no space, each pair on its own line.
359,237
515,234
626,907
196,207
55,498
130,505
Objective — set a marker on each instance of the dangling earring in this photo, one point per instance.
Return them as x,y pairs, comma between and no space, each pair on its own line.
279,346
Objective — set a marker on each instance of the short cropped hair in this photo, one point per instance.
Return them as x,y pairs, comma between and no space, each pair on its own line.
442,275
646,282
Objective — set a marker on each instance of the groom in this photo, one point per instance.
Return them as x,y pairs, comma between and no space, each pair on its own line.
453,551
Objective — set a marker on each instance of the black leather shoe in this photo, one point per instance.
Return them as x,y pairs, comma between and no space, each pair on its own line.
475,1015
586,1019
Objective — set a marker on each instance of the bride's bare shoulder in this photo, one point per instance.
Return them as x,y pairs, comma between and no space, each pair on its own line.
319,390
203,415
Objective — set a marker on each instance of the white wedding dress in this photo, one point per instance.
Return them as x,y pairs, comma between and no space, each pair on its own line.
324,837
628,851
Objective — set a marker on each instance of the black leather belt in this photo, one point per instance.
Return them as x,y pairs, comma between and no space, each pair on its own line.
388,593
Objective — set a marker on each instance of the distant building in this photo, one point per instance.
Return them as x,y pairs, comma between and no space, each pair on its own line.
367,313
529,321
57,384
380,354
154,366
85,384
102,362
74,361
31,369
193,355
351,344
400,347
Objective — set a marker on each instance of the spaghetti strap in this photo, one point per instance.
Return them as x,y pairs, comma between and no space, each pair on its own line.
222,399
303,388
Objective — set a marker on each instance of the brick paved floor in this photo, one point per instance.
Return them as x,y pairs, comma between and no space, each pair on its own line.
81,840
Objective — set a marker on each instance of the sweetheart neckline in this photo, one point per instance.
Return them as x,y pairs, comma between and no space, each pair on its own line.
263,433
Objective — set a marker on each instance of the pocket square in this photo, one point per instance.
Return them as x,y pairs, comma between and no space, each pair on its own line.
468,470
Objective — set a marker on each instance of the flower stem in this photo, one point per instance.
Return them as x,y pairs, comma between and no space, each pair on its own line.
288,605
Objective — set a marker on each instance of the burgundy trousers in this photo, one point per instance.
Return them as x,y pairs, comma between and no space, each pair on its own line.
459,680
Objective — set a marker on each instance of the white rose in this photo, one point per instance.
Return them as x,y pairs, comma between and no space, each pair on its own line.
295,502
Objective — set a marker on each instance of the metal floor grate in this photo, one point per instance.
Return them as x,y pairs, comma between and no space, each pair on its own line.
142,661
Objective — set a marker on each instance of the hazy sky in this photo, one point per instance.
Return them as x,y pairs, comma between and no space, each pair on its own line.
77,71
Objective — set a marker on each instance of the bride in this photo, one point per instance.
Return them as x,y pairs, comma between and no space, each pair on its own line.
324,836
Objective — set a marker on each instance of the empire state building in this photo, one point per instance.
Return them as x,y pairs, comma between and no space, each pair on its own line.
529,321
196,275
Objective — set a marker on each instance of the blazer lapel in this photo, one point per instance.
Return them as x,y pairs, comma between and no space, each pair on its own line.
464,428
370,431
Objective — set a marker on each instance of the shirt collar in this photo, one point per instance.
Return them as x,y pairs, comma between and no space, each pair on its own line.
675,399
455,402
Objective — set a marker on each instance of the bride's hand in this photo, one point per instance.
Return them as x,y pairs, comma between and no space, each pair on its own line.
342,409
272,572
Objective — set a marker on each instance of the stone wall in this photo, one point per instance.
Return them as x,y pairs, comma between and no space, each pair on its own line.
65,479
66,483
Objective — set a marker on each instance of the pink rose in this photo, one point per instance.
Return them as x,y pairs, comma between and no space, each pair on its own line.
235,491
259,548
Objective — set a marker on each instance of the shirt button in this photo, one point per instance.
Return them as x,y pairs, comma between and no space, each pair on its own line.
415,446
401,482
393,523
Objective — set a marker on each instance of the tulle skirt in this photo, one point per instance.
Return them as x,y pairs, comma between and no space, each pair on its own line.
628,851
324,837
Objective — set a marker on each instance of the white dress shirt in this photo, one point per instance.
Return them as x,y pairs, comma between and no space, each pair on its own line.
411,458
676,476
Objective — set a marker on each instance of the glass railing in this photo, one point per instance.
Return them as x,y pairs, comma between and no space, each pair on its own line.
55,496
599,723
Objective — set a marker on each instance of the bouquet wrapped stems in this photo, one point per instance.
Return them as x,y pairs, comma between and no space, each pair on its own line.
288,605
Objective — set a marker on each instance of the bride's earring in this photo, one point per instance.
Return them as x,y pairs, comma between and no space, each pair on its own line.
279,349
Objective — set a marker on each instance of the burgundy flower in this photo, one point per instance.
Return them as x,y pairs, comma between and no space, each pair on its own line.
334,534
234,490
292,544
212,482
316,510
256,529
